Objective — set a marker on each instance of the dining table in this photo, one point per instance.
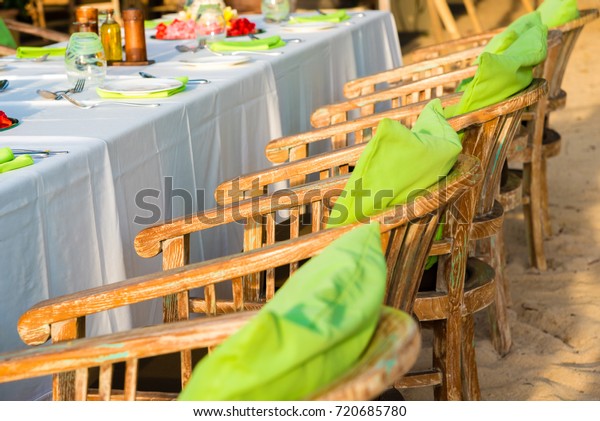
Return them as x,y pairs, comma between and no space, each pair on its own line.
67,222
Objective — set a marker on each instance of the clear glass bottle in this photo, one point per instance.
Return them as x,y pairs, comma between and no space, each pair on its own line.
110,34
275,10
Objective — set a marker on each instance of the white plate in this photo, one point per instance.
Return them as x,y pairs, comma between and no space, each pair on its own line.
2,66
307,27
140,86
216,62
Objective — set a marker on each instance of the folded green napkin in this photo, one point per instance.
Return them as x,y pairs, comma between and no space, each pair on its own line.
558,12
268,43
34,52
313,330
6,154
162,94
6,37
500,75
398,164
337,16
19,162
151,24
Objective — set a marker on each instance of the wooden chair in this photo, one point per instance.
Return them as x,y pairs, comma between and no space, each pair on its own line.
503,117
391,352
547,141
37,9
527,151
25,28
439,9
407,233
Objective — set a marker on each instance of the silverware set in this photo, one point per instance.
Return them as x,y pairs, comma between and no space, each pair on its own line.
79,85
149,76
36,152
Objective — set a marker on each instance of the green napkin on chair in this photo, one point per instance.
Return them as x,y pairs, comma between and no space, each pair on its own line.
6,38
35,52
16,163
314,329
558,12
162,94
398,164
337,16
500,75
267,43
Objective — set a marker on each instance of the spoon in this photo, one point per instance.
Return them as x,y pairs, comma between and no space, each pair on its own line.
46,94
3,84
187,48
149,76
35,60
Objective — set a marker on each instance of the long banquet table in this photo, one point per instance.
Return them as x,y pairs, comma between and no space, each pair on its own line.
68,222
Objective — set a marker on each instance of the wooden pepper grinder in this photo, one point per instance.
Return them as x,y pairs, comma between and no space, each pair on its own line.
135,38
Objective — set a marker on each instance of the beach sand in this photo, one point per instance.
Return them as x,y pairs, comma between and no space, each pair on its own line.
555,315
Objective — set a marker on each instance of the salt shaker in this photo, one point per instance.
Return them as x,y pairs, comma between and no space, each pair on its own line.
135,40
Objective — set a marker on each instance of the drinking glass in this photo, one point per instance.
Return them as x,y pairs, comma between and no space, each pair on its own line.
210,25
275,10
85,59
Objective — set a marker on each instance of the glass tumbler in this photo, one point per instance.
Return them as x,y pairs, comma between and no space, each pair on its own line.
275,10
85,59
210,25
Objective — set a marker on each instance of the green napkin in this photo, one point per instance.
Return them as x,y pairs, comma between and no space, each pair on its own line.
268,43
504,74
337,16
6,154
558,12
35,52
398,164
314,329
6,38
151,24
162,94
19,162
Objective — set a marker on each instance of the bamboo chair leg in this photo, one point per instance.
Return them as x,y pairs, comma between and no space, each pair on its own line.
470,6
533,213
497,312
546,224
527,5
469,365
436,25
446,15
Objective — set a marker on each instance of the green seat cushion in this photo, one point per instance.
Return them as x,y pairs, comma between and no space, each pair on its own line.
313,330
506,72
397,164
6,38
558,12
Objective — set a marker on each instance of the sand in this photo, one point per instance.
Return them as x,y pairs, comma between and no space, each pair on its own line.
555,315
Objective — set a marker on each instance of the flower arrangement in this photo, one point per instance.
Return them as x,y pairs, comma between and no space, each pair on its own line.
5,122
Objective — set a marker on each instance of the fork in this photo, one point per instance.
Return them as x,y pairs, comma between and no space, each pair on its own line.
79,85
95,104
252,36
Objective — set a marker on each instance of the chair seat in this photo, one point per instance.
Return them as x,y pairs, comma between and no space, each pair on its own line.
551,143
485,226
479,293
511,192
557,102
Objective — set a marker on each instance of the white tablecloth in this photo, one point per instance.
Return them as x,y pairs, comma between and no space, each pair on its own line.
68,222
